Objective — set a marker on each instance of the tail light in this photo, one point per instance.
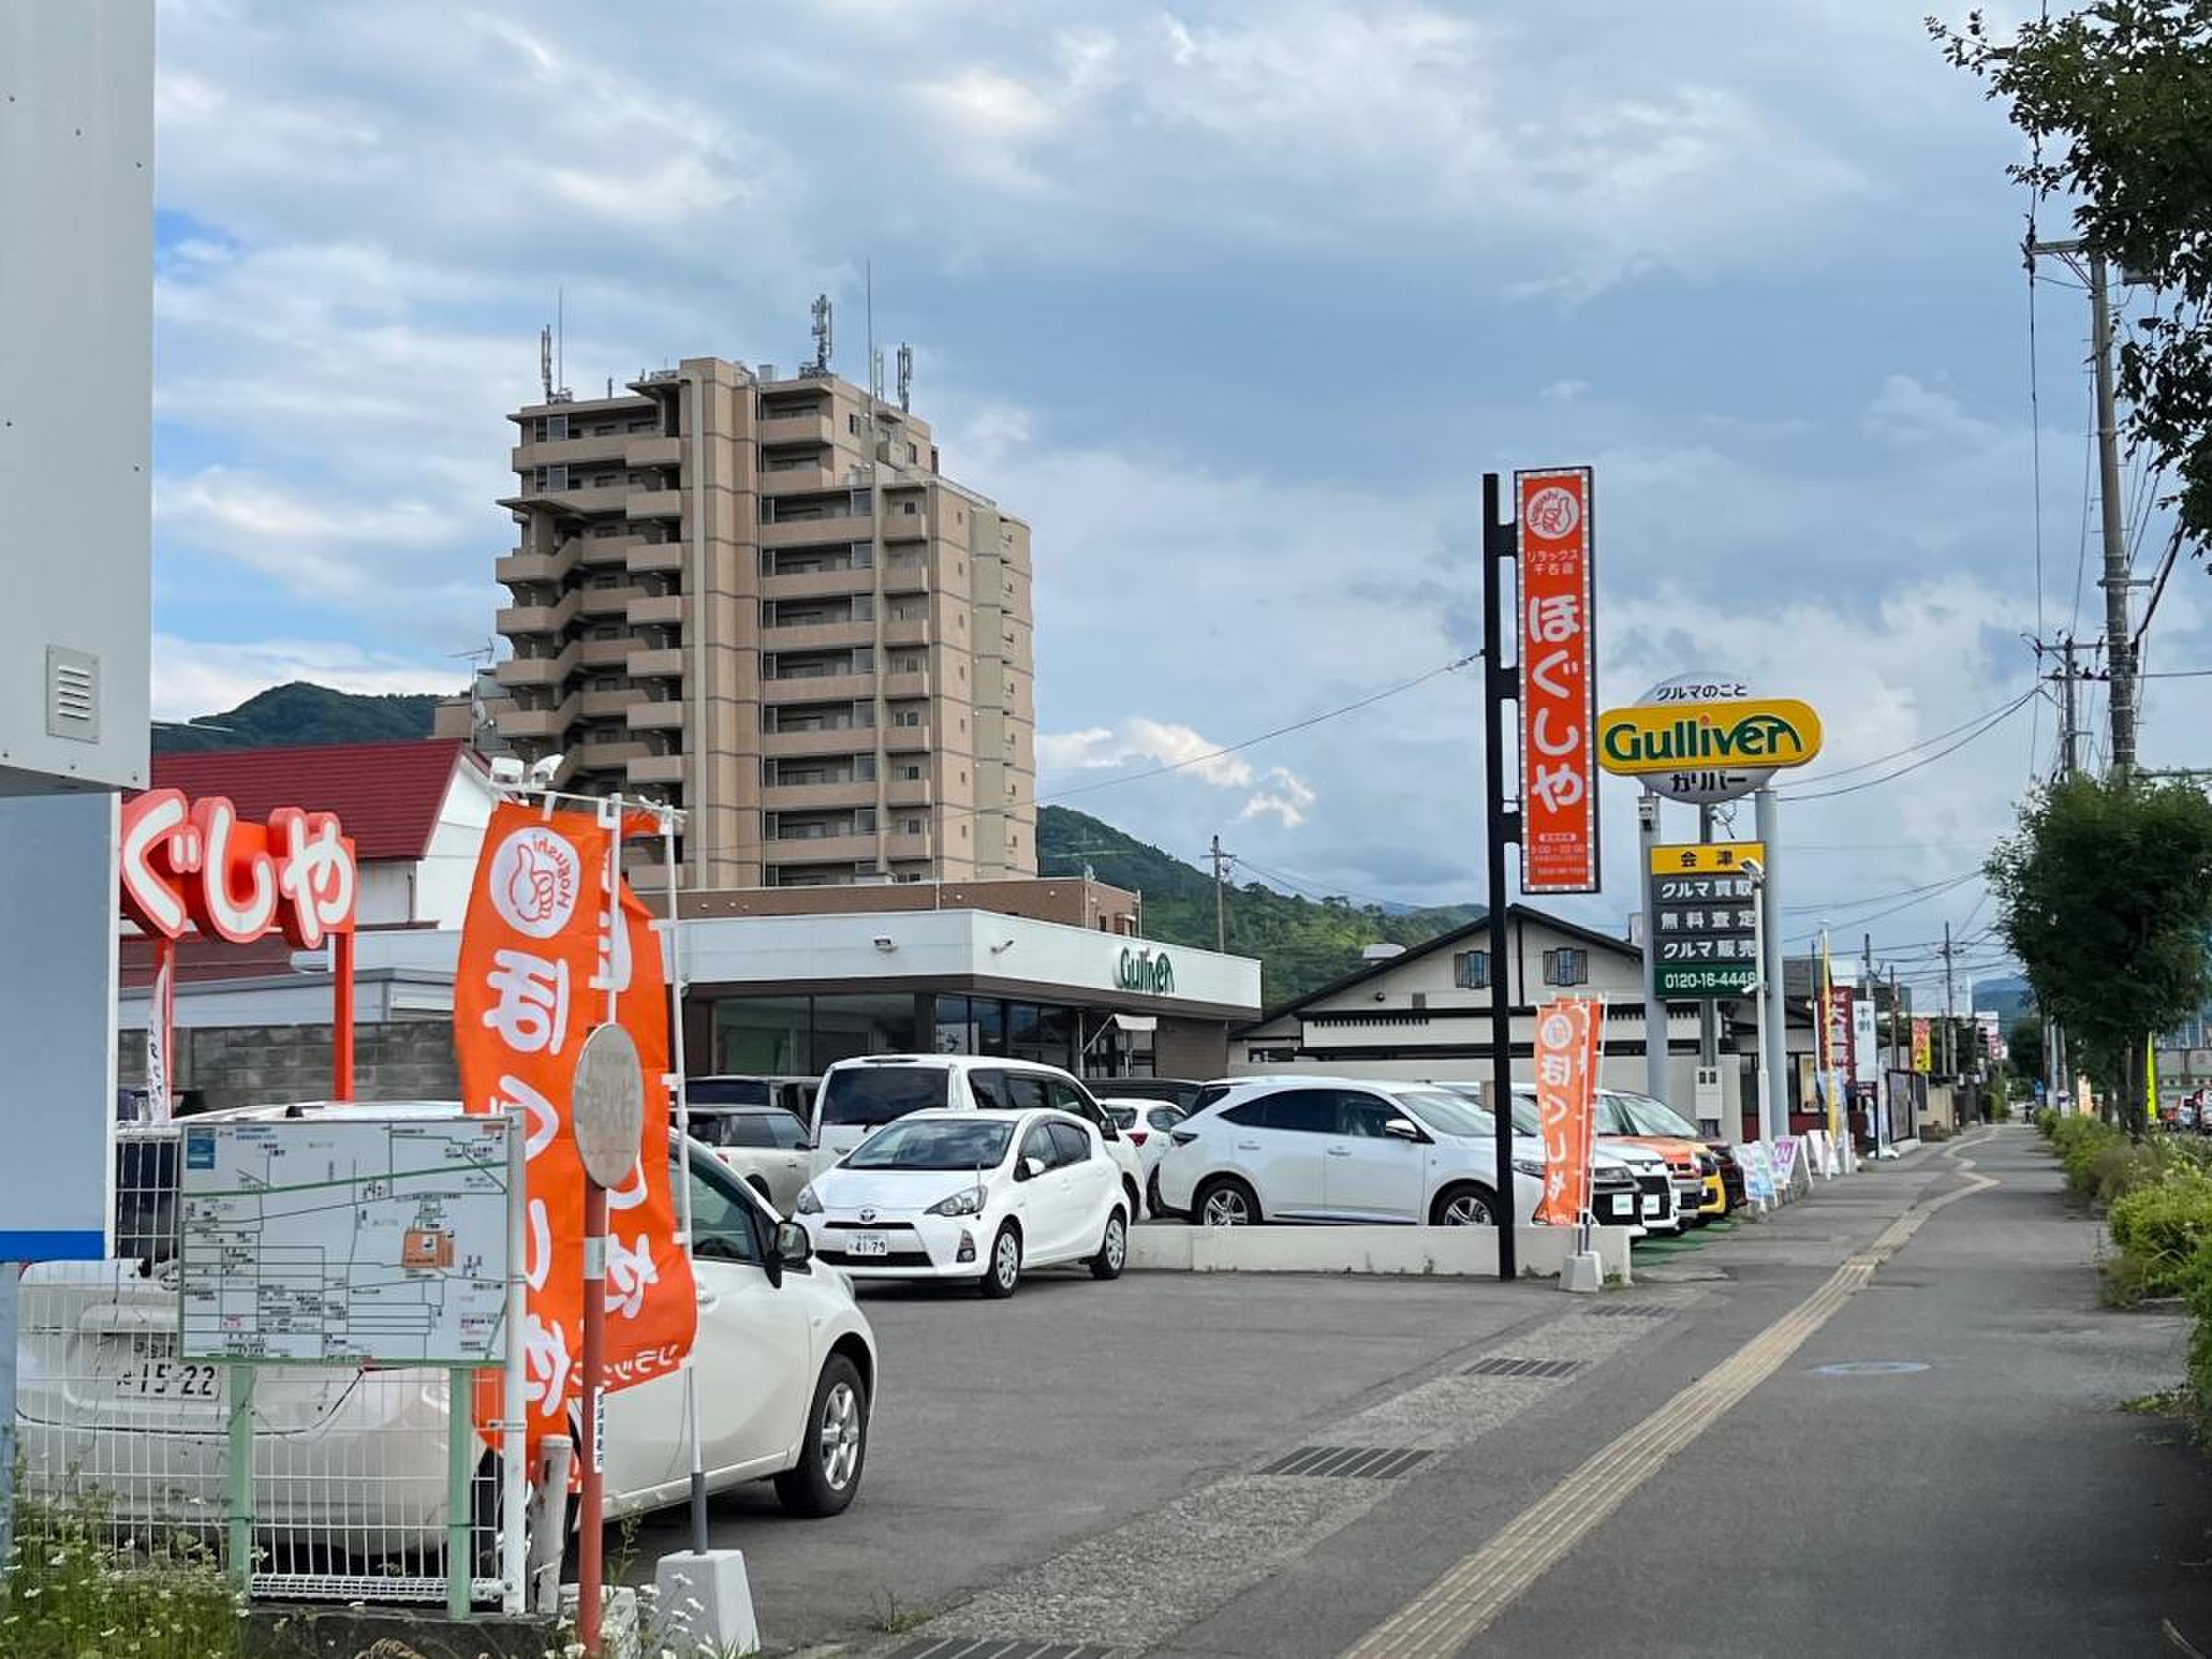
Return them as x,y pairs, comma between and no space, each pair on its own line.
1137,1136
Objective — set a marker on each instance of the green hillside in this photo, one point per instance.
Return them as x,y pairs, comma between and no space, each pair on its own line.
1301,943
287,716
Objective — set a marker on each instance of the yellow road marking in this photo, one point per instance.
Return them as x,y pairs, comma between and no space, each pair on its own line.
1460,1604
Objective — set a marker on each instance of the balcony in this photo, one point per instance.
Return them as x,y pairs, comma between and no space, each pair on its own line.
537,671
904,527
901,845
652,450
644,556
655,505
580,499
608,602
656,610
610,705
810,479
816,584
812,428
552,722
906,739
899,687
655,714
818,688
600,756
817,797
909,792
906,577
828,740
818,636
906,631
661,662
809,532
657,769
821,849
513,619
514,569
587,450
604,654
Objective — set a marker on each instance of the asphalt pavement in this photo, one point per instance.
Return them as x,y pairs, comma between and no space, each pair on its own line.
1147,1467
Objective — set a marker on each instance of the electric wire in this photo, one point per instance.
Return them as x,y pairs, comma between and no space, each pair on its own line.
1988,725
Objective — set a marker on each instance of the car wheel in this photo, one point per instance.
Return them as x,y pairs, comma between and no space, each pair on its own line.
835,1447
1113,1251
1002,1271
1226,1202
1464,1205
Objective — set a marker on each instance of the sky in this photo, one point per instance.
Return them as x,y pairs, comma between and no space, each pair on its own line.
1234,303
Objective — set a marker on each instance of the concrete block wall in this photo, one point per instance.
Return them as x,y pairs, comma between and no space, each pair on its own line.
405,1060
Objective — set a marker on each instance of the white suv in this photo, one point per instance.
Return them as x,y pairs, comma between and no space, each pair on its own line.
858,1097
1307,1148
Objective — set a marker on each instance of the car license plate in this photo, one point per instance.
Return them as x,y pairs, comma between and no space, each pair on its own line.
1654,1207
167,1380
871,1244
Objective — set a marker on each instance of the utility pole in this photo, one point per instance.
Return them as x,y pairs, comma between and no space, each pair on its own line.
2119,642
1950,1033
1873,1099
1220,911
2069,727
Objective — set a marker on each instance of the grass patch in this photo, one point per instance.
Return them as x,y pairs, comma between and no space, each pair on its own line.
69,1593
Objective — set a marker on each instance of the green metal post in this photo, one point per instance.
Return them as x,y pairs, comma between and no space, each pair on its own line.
241,1476
460,1463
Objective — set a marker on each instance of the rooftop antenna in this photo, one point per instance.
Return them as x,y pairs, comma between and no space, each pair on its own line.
906,378
560,337
867,267
545,360
821,334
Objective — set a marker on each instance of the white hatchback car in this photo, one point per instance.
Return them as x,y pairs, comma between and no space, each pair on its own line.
787,1369
1303,1148
858,1097
975,1195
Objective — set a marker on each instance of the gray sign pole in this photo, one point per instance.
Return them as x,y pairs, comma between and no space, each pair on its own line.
1774,1030
1654,1011
1709,1011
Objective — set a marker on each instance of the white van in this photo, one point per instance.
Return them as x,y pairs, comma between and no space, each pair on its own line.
858,1097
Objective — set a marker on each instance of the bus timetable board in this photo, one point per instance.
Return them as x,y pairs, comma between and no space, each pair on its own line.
1704,906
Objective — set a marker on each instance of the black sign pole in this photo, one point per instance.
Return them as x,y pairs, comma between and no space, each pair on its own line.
1500,686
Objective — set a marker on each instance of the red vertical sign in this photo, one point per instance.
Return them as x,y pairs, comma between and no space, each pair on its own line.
1569,1036
1559,775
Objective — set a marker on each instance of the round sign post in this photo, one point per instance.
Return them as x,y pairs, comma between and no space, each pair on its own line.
607,1108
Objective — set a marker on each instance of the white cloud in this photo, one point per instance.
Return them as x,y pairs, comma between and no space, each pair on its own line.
1139,742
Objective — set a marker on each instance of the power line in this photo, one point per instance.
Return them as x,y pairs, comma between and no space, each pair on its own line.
1841,904
1859,766
1988,725
1296,725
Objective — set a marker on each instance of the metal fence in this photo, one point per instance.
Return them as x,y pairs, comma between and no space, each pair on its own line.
349,1496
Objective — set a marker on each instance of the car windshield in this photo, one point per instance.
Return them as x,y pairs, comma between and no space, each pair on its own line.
1446,1112
1656,1116
877,1094
1525,1109
1613,1118
726,1092
935,1145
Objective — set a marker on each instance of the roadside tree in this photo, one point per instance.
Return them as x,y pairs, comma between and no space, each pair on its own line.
2115,99
2106,897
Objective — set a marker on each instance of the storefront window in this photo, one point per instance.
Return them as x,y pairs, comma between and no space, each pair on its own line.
849,1026
988,1015
954,1034
762,1036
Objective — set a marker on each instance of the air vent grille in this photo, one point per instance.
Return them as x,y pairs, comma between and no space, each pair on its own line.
72,694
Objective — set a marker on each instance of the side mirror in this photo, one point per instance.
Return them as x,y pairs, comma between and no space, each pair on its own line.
794,1248
1403,1129
1028,1169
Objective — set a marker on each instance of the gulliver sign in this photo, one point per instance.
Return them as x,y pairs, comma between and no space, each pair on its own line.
1147,971
1702,738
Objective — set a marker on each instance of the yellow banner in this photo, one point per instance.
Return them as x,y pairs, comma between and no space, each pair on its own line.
1707,858
1746,735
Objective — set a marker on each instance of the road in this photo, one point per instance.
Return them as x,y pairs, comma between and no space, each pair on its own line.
1678,1472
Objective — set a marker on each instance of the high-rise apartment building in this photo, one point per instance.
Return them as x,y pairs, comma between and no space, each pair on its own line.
756,597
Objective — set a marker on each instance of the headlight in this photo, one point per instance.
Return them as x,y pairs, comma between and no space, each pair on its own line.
1530,1166
807,1203
968,1201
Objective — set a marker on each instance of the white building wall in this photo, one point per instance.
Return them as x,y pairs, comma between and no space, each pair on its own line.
442,879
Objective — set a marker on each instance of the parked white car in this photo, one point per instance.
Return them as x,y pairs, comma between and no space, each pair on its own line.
765,1146
1306,1148
1146,1126
787,1369
1655,1209
977,1195
858,1097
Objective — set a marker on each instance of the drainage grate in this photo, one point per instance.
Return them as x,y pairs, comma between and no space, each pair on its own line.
1348,1463
1504,1365
1625,1311
997,1647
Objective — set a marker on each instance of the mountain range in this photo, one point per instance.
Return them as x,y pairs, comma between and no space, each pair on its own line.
1302,941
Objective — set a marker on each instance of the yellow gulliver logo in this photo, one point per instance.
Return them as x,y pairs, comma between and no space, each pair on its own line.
1750,733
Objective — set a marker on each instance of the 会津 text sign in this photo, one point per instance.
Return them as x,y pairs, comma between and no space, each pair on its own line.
1557,648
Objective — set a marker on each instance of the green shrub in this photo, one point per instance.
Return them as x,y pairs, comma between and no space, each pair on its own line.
2046,1122
2200,1337
67,1594
2078,1141
2160,1229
